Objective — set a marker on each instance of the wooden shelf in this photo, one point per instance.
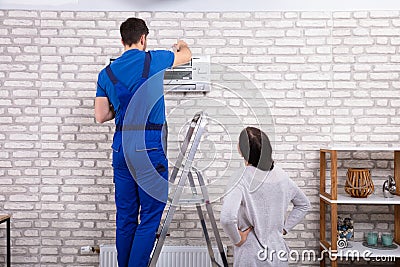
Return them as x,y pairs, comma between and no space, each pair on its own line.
374,199
358,246
332,197
3,218
360,148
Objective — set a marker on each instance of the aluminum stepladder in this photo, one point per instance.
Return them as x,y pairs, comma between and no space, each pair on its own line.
192,139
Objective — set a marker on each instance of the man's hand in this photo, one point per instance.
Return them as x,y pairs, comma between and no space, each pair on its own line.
182,53
243,236
179,45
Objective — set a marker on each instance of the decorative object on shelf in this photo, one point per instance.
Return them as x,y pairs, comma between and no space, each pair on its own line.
387,239
345,231
389,187
372,238
359,183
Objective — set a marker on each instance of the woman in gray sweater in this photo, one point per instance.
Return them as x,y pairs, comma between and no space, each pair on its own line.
253,213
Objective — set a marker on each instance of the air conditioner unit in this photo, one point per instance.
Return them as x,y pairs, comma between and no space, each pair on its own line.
191,77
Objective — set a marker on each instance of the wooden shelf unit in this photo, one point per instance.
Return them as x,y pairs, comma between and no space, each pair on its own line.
7,219
333,199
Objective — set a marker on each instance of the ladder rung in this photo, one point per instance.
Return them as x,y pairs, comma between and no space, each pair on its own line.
158,235
215,262
192,200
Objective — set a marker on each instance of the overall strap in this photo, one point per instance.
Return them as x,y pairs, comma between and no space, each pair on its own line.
146,68
145,76
111,75
145,73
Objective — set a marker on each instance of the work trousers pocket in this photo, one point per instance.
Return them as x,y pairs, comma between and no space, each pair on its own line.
118,158
158,159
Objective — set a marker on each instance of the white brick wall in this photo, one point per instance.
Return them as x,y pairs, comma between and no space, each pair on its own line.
324,76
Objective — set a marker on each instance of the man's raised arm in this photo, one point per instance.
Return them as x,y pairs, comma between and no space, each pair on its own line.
182,53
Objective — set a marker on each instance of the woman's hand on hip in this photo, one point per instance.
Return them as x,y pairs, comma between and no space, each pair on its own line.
243,236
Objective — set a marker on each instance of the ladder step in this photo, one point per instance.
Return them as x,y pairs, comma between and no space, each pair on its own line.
192,201
215,262
158,235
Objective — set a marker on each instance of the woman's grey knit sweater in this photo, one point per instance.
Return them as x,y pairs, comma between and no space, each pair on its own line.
260,199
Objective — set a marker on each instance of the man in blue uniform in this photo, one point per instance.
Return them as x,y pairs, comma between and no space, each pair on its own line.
116,86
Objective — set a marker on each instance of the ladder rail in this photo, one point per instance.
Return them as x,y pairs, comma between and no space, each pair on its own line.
181,155
212,217
191,143
203,224
185,146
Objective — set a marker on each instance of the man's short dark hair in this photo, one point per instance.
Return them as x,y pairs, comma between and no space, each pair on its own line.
132,29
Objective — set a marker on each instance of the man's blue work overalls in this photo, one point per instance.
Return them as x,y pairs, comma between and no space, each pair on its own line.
140,174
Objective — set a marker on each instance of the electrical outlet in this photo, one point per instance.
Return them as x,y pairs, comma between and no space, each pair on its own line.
87,250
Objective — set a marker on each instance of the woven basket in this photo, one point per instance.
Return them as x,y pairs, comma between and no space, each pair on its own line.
359,183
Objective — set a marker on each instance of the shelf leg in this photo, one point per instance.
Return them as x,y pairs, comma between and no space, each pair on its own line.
322,219
322,262
322,229
334,177
397,224
397,207
322,172
397,228
8,243
397,171
334,208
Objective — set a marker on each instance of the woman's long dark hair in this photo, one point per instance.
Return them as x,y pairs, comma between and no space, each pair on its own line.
256,148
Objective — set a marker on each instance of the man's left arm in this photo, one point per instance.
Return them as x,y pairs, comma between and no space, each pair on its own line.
103,110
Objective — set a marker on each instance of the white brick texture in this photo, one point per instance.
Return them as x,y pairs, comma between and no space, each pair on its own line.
309,78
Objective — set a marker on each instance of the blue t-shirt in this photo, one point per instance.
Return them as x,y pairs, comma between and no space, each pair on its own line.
128,69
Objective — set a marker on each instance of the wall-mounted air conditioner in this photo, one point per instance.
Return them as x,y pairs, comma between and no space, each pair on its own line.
191,77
